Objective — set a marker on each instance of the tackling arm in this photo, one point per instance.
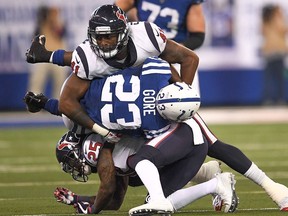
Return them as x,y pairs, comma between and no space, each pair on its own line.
176,53
69,104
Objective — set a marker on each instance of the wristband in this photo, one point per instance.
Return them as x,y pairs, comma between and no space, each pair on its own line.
52,106
57,57
100,130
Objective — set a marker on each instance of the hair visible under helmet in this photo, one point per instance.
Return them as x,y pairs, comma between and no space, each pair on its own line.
108,19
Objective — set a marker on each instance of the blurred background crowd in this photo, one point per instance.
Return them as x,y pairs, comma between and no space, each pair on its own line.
239,59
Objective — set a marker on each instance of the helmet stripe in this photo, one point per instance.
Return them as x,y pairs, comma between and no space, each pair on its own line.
178,100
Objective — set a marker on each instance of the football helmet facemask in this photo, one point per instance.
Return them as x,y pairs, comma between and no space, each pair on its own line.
177,102
104,21
78,155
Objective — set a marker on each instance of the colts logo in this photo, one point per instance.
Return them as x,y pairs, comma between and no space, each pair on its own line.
121,16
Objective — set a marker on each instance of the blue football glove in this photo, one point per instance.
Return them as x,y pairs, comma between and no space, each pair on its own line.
83,207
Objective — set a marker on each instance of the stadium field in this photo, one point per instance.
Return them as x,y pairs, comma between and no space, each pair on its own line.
30,172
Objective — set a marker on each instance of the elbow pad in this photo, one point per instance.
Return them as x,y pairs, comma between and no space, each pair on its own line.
194,40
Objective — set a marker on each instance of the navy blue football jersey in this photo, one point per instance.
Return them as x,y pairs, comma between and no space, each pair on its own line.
169,15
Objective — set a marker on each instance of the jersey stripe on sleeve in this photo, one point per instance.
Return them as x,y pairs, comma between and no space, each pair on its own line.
151,35
84,61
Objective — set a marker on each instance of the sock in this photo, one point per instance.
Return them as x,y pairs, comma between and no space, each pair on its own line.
185,196
258,176
149,175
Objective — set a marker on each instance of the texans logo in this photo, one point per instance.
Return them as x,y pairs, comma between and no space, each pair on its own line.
62,146
121,16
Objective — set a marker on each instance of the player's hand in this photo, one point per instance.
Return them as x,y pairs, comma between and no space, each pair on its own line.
112,137
37,51
82,207
34,102
65,196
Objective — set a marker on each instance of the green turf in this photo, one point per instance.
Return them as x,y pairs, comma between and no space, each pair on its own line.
29,172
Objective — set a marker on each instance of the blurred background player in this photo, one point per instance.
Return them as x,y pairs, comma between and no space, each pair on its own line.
274,50
49,23
183,22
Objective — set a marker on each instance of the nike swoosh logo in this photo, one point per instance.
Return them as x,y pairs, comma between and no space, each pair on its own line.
85,211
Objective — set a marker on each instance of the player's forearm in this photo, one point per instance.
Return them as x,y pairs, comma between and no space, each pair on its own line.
106,172
76,113
176,53
188,69
121,188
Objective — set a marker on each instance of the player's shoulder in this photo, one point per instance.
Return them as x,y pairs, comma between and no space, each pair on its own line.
142,26
86,64
84,48
143,32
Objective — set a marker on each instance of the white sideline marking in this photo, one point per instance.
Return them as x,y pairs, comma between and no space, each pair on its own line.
191,211
57,183
250,209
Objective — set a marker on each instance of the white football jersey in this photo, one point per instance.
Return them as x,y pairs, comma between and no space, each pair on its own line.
145,40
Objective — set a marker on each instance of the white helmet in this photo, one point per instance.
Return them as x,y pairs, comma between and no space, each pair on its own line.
177,101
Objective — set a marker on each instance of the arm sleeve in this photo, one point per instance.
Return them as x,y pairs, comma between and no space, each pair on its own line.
194,40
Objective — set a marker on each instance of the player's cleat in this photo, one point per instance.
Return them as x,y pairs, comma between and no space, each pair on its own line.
160,207
279,194
226,190
207,171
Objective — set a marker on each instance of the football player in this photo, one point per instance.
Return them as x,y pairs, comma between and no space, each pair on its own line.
125,101
139,43
74,154
183,22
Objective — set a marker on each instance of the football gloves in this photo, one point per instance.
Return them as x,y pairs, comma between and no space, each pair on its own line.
37,51
65,196
82,208
34,102
112,137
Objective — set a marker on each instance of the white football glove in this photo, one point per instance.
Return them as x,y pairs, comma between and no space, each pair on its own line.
65,196
112,137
